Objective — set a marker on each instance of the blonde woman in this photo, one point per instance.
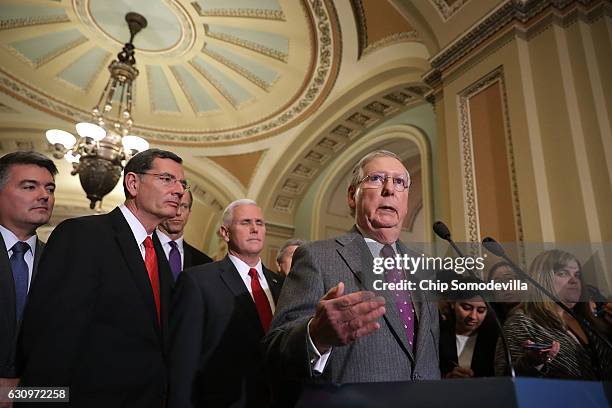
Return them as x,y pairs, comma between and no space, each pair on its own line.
544,340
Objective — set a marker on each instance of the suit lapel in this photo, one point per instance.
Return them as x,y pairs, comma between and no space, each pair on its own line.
275,283
358,258
133,259
37,254
7,286
188,256
242,296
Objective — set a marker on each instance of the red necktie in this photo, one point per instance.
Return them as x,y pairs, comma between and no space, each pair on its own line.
151,264
261,300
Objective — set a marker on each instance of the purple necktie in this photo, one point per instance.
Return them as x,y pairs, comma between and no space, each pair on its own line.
403,300
175,260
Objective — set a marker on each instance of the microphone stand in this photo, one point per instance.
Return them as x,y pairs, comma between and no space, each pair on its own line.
443,232
496,249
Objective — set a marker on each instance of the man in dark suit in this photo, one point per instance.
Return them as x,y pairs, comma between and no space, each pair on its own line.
97,317
27,189
220,312
326,328
179,253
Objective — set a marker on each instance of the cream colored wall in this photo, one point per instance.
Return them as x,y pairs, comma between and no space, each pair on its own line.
558,102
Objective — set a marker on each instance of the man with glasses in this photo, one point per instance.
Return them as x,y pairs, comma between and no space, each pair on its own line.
328,327
97,316
180,254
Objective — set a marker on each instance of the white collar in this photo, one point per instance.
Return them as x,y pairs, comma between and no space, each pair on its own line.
164,239
139,231
11,239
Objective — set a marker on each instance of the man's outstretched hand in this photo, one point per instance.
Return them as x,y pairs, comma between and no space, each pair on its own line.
341,319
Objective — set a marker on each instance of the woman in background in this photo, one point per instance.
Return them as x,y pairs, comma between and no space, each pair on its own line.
544,340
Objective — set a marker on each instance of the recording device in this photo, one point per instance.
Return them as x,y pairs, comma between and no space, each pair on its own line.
537,346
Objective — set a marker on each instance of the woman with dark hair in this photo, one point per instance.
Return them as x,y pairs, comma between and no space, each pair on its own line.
467,338
544,340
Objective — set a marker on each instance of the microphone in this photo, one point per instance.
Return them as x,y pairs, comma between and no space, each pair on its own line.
443,232
496,249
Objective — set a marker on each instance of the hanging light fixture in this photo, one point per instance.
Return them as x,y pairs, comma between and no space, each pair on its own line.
105,145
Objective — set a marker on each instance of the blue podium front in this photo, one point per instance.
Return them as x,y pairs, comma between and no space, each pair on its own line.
480,392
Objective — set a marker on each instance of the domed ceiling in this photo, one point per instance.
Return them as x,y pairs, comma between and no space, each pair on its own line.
211,71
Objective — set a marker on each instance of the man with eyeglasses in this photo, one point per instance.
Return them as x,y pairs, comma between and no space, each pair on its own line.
97,317
180,254
328,326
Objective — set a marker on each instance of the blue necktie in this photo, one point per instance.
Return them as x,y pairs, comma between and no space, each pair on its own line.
175,260
20,276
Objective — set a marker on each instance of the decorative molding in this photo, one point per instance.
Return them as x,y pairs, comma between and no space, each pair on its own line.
38,62
345,131
31,21
283,204
362,26
496,77
445,10
250,45
279,230
181,47
205,197
521,13
265,14
238,68
379,108
324,66
216,84
391,39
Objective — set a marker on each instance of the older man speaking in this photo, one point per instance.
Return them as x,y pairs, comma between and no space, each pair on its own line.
327,326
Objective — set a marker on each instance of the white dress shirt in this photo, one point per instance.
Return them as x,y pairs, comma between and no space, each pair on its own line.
139,231
243,271
11,239
165,242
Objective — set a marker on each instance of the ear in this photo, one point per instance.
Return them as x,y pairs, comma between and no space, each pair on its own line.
131,182
351,197
224,233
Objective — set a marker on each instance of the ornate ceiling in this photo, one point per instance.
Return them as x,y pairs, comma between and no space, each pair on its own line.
211,71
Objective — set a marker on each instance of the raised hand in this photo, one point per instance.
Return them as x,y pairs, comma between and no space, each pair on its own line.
341,319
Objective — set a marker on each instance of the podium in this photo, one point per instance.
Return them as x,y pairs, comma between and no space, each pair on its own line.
474,393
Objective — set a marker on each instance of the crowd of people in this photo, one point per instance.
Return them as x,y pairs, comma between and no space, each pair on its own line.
124,312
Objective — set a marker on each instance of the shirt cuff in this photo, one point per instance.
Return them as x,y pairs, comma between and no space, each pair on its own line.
317,360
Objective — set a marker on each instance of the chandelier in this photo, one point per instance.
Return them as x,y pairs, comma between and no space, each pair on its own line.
105,145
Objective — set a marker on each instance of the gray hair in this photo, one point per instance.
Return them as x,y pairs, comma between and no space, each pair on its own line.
286,245
358,169
358,173
228,213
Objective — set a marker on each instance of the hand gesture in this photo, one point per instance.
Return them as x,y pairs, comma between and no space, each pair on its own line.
341,319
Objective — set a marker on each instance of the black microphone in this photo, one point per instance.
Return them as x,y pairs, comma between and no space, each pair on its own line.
443,232
496,249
